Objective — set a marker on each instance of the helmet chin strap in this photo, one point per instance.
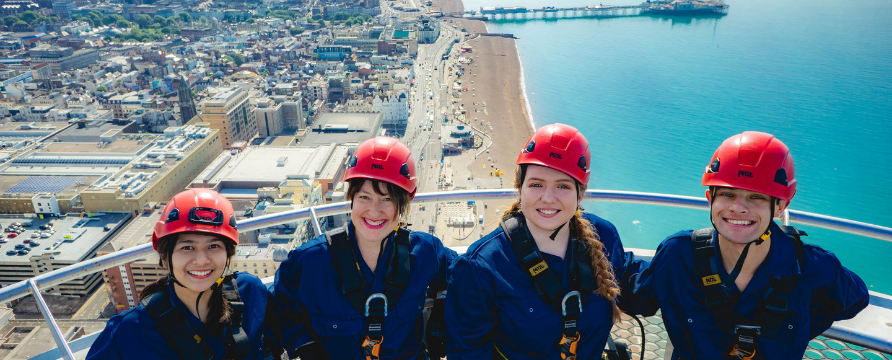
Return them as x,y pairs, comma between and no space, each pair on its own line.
765,236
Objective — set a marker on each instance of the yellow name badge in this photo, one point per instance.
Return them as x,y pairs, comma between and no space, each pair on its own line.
540,267
711,280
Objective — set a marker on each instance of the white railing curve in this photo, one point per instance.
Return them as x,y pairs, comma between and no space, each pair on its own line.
31,286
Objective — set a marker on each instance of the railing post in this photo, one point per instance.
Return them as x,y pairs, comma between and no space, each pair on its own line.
54,328
315,222
786,217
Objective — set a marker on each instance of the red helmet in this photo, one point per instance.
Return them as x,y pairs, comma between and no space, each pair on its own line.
385,159
753,161
560,147
197,210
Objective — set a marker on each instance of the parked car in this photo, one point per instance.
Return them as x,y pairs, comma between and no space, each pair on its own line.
12,252
12,235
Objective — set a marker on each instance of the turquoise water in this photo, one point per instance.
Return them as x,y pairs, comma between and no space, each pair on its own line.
655,96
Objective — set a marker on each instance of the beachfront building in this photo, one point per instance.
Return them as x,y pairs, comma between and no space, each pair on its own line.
395,111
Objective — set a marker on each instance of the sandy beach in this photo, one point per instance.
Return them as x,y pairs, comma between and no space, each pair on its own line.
493,79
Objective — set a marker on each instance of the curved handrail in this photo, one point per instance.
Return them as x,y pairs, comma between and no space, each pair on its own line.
97,264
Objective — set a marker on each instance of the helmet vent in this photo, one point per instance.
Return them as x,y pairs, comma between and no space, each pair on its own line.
404,171
714,167
581,163
174,215
780,177
530,147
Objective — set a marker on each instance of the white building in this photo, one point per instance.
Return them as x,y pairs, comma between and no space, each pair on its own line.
395,109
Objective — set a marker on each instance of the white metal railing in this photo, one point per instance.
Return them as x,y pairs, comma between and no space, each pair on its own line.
31,286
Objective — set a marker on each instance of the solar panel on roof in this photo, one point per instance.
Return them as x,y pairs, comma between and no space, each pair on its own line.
44,184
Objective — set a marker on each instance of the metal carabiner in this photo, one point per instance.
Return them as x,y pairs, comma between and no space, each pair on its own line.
441,294
372,297
564,301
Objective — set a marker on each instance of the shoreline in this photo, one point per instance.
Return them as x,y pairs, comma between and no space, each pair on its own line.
523,90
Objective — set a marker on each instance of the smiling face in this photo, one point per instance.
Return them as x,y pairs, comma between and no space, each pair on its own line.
548,198
741,216
374,213
198,260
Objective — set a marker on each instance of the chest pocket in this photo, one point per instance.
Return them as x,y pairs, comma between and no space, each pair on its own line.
327,326
524,323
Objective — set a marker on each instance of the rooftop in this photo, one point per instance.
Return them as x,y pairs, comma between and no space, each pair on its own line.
261,164
343,128
74,237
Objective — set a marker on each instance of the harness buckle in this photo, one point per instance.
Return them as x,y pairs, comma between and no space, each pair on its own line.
747,342
373,297
564,302
372,348
568,345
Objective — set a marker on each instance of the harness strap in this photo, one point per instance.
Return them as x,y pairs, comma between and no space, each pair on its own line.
547,283
396,279
348,270
774,307
172,324
235,340
544,280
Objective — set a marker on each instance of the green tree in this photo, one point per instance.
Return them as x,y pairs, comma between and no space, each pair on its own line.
265,72
317,17
341,16
158,19
29,17
101,88
144,21
118,82
10,20
349,22
239,59
203,20
108,20
96,16
89,22
250,21
315,56
123,24
296,30
185,17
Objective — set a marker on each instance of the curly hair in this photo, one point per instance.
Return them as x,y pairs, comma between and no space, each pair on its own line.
219,311
583,230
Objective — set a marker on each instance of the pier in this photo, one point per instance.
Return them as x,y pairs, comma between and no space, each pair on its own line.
679,8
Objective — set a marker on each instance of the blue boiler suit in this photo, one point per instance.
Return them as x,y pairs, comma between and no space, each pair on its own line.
825,292
133,334
307,284
493,307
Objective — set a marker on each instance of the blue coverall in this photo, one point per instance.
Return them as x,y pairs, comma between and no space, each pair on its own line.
492,302
133,334
308,284
825,292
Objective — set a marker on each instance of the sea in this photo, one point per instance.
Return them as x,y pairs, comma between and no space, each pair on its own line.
656,95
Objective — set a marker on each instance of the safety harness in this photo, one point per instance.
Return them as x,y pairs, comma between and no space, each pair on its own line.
547,283
374,306
720,299
173,325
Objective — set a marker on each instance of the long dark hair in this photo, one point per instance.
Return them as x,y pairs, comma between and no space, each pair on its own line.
219,311
583,230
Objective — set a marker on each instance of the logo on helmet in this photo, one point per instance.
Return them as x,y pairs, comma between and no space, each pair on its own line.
555,155
376,166
744,173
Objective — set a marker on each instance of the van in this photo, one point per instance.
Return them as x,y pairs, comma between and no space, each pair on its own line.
481,219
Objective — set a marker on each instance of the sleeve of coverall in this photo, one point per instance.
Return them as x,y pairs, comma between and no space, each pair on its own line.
445,257
105,347
626,269
293,329
643,298
844,299
469,319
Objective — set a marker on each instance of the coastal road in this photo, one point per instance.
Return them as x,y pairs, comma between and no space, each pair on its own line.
430,100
